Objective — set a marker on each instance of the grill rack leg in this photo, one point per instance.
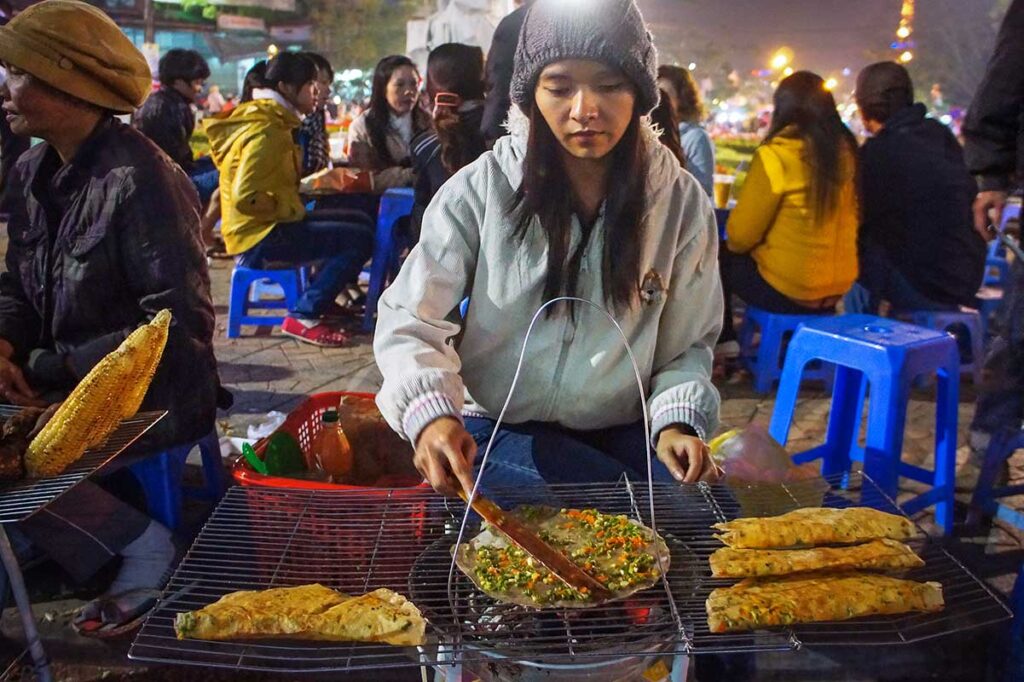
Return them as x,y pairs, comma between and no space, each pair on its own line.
28,623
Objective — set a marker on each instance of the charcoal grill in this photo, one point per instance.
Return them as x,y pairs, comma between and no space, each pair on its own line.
356,542
20,499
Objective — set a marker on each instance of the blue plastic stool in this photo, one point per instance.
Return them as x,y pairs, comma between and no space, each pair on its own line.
984,501
997,271
161,474
765,363
989,301
394,205
888,356
246,295
943,320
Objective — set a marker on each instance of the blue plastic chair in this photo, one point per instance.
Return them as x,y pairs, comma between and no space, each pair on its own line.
394,205
887,356
943,321
247,287
765,362
161,479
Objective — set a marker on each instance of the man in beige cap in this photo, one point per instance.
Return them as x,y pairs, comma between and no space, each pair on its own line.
104,233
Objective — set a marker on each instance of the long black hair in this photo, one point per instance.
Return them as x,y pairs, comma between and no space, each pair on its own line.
293,68
456,72
664,116
543,193
690,106
805,108
378,116
254,78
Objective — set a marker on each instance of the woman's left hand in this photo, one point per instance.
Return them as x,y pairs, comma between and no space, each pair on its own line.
687,457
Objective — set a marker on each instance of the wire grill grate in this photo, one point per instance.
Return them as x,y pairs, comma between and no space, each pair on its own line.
19,499
356,542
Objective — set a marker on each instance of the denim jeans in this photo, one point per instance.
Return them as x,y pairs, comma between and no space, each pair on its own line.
205,177
536,453
1001,400
740,276
341,240
880,280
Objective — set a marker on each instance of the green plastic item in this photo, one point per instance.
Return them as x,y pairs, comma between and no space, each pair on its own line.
283,455
253,459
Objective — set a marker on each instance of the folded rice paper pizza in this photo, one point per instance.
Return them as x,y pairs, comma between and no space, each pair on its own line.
622,554
877,555
815,526
764,603
311,612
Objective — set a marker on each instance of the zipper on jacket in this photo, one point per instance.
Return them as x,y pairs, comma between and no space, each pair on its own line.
568,334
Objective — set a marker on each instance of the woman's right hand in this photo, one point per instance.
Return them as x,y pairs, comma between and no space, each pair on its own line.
13,387
444,455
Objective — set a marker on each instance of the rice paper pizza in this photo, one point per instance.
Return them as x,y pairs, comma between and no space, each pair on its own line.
622,554
877,555
815,526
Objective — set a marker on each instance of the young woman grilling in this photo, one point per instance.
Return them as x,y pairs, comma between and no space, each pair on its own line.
580,200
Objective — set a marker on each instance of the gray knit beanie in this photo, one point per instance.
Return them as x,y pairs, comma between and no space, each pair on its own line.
609,31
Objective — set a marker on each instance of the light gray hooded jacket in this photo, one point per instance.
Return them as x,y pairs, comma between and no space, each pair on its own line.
576,373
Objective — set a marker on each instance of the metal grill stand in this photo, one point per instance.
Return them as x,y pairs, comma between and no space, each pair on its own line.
356,542
20,499
28,623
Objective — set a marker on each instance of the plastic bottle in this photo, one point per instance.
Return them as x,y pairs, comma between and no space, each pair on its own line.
331,452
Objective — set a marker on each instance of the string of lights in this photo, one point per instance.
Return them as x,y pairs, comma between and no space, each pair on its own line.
904,45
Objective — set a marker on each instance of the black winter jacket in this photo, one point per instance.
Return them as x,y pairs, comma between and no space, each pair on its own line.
994,129
97,247
916,197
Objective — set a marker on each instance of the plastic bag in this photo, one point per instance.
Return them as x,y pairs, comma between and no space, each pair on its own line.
266,427
761,474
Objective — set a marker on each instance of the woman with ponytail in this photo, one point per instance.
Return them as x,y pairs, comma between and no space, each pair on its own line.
455,90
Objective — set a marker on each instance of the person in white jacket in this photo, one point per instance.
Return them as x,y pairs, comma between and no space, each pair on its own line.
580,200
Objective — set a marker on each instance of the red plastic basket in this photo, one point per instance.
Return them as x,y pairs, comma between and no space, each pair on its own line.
319,528
303,424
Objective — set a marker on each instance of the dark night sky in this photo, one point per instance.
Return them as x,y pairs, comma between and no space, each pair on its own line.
826,35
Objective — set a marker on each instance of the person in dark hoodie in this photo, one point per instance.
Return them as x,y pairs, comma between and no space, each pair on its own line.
993,132
500,64
918,249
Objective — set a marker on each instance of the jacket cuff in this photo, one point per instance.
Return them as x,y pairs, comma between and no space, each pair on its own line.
679,413
424,410
48,369
993,183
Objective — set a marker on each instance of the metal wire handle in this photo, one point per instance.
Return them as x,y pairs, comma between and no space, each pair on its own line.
501,417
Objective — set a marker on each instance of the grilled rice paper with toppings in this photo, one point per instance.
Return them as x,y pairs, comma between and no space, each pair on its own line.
877,555
620,553
815,526
758,603
311,612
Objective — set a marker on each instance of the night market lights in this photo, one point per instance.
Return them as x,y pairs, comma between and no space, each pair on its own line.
903,44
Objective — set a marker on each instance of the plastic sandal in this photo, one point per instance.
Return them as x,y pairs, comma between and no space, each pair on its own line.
105,618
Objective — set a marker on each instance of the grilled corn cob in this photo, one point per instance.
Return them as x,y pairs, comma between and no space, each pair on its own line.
113,390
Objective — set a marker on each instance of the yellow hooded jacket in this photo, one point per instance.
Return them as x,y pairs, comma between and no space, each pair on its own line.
259,166
803,257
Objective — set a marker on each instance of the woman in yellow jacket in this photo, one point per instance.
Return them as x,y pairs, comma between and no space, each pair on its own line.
792,238
263,216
